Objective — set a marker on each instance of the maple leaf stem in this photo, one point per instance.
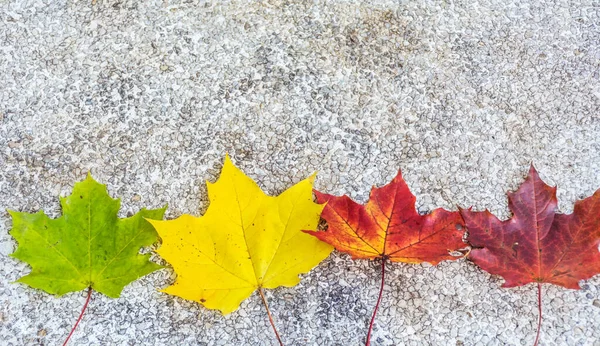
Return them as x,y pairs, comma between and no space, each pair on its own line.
264,300
89,295
539,327
368,342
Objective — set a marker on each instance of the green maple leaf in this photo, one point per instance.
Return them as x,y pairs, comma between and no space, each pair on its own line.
88,246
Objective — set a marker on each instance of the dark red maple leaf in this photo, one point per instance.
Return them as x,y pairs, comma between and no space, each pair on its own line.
536,244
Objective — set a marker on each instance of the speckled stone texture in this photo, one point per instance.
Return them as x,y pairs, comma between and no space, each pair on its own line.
150,95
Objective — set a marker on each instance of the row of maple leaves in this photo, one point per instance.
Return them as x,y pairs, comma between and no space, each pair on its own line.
248,241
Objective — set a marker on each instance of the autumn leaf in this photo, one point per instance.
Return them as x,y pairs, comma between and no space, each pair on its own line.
87,247
389,227
245,241
537,245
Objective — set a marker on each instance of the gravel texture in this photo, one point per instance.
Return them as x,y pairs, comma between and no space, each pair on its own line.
150,95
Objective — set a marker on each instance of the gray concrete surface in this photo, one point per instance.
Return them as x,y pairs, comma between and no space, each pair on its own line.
149,95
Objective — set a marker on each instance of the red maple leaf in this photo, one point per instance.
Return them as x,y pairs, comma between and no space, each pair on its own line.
389,227
536,244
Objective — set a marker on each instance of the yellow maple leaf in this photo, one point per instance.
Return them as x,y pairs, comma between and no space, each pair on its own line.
245,241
